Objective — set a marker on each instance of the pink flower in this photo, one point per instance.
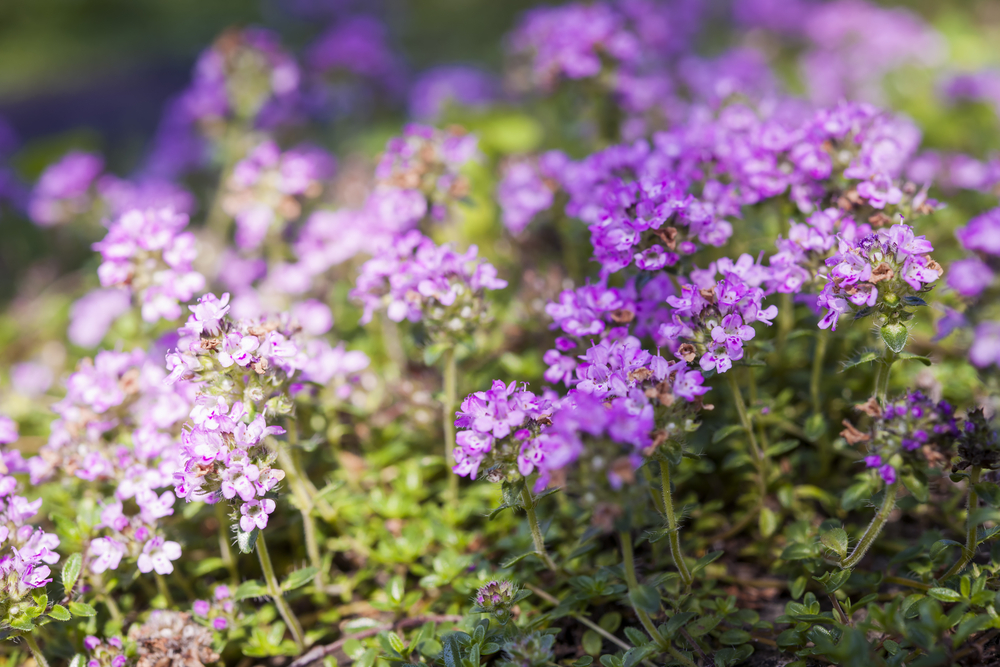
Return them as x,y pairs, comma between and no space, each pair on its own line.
157,555
255,514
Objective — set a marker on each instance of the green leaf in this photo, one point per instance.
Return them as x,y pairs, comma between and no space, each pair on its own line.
251,589
916,486
450,651
864,357
767,522
706,560
22,623
71,572
59,612
207,565
610,621
815,427
734,636
945,594
636,636
81,609
725,432
989,492
592,642
79,660
915,357
583,661
489,648
835,540
832,581
517,559
645,598
246,541
782,447
299,578
676,622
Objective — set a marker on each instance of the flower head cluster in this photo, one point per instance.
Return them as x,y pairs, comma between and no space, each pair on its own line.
570,41
977,443
429,161
109,653
527,188
64,190
148,253
883,272
245,75
417,280
507,428
352,53
911,430
244,371
498,598
437,89
265,188
27,552
118,430
220,612
711,321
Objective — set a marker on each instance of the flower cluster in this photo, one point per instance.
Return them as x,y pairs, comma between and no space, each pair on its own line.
437,89
527,188
429,161
417,280
64,191
109,653
498,598
883,272
27,551
974,278
264,188
148,253
617,382
120,397
711,321
220,611
911,430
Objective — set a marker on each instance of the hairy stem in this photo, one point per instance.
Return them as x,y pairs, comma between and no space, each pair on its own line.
225,548
35,651
628,562
840,610
883,373
675,537
970,527
448,419
874,528
758,455
305,504
819,354
536,532
279,599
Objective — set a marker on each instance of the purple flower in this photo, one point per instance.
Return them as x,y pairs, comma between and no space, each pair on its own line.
888,473
157,555
8,430
106,554
985,350
523,193
969,277
437,88
201,608
982,234
255,513
63,190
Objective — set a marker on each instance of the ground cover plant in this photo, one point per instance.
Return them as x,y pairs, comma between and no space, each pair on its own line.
674,342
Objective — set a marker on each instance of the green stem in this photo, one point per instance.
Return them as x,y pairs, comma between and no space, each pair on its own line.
675,537
819,354
874,528
628,562
448,419
224,546
305,506
758,455
536,532
161,586
882,374
970,527
279,599
35,651
113,609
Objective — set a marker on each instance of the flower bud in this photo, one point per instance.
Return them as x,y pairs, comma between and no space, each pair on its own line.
894,335
497,598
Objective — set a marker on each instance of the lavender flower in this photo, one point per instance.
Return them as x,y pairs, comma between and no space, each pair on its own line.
436,89
147,252
63,191
884,272
526,189
414,279
266,187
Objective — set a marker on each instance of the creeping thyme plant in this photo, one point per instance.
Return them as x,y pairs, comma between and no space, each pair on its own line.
671,339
